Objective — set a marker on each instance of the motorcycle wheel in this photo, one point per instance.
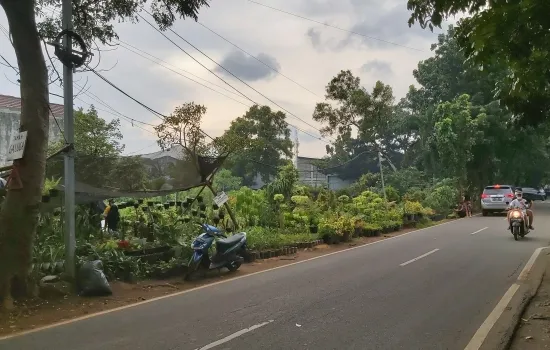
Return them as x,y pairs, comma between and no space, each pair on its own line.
192,269
515,232
233,266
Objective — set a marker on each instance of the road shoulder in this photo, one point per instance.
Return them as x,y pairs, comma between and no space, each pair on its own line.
533,331
501,328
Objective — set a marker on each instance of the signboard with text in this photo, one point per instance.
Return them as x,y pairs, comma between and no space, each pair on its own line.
16,149
220,199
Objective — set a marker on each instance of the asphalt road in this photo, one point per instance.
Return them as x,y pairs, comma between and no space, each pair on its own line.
429,289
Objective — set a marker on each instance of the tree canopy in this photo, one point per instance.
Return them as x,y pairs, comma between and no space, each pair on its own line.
263,141
510,34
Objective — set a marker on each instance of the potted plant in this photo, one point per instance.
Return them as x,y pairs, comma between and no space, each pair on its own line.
150,203
136,205
202,207
215,206
313,225
199,199
166,205
140,201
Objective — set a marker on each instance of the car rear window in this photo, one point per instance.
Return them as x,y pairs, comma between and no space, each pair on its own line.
492,190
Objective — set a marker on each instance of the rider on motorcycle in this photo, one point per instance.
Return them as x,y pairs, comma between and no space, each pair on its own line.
520,203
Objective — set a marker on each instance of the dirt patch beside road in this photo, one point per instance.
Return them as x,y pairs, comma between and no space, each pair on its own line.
534,328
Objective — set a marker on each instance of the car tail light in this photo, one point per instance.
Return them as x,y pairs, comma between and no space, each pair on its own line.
483,196
510,195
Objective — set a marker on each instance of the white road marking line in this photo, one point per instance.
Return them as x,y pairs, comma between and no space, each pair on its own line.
208,285
479,337
419,257
234,335
483,331
478,231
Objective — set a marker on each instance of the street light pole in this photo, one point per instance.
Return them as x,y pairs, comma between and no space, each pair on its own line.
68,126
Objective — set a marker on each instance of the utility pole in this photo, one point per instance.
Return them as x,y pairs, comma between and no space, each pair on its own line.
382,176
68,126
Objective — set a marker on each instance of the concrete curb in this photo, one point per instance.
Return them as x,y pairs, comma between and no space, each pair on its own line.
500,335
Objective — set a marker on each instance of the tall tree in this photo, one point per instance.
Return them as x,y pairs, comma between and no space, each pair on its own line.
512,34
93,20
363,123
265,143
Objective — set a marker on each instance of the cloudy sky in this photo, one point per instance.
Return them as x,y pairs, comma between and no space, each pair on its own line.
304,51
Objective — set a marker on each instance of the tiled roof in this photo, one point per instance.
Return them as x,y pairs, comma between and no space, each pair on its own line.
15,103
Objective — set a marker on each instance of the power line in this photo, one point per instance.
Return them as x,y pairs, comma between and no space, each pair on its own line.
158,114
248,98
257,59
167,65
335,27
179,73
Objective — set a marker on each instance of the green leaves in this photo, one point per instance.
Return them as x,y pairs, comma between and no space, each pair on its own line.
260,140
509,34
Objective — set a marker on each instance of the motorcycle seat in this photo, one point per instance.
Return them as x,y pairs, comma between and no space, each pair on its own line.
225,243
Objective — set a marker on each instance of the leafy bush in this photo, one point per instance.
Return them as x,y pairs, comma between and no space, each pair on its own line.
442,199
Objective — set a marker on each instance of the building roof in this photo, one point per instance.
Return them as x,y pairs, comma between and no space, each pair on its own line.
13,102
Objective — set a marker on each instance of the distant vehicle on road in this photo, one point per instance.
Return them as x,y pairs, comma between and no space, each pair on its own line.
495,198
533,194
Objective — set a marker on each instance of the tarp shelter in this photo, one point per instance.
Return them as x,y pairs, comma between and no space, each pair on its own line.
100,178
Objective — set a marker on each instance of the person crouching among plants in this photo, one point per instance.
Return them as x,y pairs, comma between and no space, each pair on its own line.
112,216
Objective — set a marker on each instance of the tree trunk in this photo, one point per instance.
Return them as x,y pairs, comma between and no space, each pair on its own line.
19,214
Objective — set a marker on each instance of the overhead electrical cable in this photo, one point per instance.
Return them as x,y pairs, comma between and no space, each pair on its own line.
248,98
335,27
176,70
259,60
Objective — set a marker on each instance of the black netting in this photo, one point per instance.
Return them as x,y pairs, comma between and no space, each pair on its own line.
100,178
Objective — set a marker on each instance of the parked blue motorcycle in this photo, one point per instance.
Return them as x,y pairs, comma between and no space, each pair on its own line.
229,251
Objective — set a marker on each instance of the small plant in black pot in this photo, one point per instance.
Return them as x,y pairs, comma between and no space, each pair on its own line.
172,203
145,208
216,220
215,206
189,200
186,204
202,215
199,199
140,201
186,219
194,212
136,205
179,203
221,215
202,207
150,203
166,205
54,192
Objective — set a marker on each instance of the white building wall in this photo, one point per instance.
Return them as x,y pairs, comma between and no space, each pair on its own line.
9,126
